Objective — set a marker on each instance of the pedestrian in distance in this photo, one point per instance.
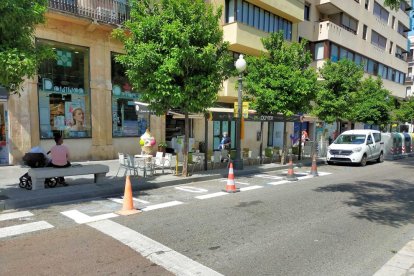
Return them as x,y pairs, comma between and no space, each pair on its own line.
60,157
225,142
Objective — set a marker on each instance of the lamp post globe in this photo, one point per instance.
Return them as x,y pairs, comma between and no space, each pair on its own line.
240,66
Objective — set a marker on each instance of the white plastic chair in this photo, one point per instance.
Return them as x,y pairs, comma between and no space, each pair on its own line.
132,165
197,162
123,163
215,159
253,156
161,162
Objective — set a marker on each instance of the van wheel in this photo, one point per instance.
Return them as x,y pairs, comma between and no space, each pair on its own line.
363,162
380,158
329,162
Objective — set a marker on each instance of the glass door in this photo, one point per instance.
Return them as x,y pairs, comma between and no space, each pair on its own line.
219,127
4,148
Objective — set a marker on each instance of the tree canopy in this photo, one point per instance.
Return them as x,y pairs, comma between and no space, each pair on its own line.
371,103
175,55
19,56
281,80
405,112
340,80
394,4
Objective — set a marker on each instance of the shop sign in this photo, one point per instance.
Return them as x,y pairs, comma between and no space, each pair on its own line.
245,110
48,86
227,116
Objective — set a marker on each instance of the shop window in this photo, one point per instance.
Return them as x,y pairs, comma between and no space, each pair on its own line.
128,118
219,127
64,93
270,134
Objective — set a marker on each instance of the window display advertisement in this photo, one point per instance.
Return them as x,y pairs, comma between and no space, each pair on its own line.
128,119
64,100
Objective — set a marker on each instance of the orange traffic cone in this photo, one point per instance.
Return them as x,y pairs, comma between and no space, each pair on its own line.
128,204
291,174
314,169
231,186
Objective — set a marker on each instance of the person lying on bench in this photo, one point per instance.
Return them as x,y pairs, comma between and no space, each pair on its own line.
60,157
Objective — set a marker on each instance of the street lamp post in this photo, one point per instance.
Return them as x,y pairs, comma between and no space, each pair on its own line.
240,66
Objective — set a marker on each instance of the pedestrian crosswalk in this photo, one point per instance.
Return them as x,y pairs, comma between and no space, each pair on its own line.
23,222
18,228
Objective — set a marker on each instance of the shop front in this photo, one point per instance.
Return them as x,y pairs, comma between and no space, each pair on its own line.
4,127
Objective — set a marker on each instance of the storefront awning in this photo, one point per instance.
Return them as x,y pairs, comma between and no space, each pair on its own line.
177,115
219,113
142,107
4,94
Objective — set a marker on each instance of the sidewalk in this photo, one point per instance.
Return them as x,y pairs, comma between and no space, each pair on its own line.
82,187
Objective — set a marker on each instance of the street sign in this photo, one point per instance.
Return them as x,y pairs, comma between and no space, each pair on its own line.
245,110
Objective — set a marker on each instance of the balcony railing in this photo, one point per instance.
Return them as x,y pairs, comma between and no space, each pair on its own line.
107,11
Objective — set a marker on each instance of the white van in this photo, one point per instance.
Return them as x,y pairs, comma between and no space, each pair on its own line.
356,146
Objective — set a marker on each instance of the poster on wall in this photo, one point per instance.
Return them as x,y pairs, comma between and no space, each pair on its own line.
62,112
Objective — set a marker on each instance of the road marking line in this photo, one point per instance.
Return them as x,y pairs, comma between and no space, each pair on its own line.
323,173
305,177
15,215
24,228
162,205
268,176
278,182
212,195
191,189
121,200
153,250
400,263
236,182
250,188
81,218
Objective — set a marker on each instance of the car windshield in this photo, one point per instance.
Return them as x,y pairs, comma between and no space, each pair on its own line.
350,139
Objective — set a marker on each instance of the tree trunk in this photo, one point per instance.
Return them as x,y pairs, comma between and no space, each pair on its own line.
186,142
284,151
261,140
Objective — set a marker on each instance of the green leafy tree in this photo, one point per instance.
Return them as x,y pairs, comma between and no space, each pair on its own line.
371,103
280,80
340,80
405,112
394,4
19,56
175,56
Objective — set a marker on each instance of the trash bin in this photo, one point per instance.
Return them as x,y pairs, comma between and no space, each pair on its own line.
407,143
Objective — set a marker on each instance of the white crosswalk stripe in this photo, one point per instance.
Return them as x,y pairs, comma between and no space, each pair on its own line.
121,200
24,228
162,205
15,215
268,176
250,188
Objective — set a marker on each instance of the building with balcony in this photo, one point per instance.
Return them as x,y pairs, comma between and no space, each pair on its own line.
85,96
409,79
364,31
244,23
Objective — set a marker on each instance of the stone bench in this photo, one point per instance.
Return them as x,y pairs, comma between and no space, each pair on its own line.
39,175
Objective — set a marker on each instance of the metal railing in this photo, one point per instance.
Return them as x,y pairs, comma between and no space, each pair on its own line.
107,11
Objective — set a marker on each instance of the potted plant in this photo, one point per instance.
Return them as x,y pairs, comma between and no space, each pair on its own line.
162,146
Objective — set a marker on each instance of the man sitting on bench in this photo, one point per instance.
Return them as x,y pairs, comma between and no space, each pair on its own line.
60,157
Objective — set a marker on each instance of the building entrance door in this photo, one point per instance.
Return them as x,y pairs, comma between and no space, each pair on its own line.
4,145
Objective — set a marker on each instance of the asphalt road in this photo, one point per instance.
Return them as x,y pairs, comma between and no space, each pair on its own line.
348,222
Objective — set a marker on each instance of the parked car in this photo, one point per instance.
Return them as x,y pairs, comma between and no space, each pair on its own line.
356,146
